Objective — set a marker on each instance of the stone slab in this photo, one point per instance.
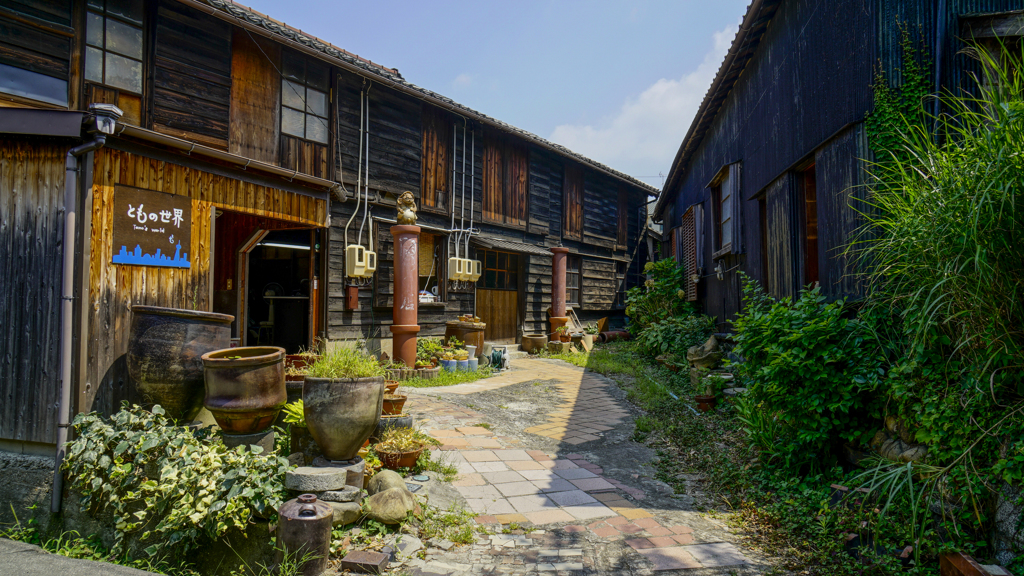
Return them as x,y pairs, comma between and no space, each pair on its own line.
310,479
345,494
365,561
717,554
355,469
264,440
675,558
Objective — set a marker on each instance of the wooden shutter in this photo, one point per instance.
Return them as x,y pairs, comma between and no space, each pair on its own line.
736,201
623,208
699,235
782,238
688,231
493,197
673,242
436,159
517,172
573,204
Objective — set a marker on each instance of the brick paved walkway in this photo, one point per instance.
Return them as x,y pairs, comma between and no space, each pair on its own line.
549,479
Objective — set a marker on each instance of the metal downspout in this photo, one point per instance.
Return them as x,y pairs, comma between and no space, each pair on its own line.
71,185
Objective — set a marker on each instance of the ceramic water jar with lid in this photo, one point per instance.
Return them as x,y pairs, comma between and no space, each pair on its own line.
304,531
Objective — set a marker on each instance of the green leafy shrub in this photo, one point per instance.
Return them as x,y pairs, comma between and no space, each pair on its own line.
345,363
810,364
675,334
168,486
661,296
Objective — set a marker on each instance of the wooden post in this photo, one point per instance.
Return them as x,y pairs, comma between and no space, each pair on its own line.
558,258
406,296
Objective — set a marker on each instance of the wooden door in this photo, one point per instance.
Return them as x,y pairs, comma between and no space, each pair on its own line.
500,310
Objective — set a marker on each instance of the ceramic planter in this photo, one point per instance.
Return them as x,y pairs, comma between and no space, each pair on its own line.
533,343
245,387
402,421
394,461
705,402
448,365
463,365
390,386
165,349
393,404
342,413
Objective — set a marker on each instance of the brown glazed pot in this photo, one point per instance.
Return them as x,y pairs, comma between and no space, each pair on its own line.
393,405
245,394
706,402
304,530
164,358
394,461
341,413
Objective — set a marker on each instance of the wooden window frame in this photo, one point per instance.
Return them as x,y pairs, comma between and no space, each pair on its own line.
620,284
578,273
307,112
482,255
501,172
726,221
436,149
572,183
807,182
101,91
622,230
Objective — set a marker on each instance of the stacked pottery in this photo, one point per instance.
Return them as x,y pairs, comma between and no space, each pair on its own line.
245,390
165,352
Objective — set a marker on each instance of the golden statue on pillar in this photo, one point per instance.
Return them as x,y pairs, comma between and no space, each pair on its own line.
406,209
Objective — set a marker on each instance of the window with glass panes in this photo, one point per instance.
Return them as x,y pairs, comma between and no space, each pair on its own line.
304,88
501,270
573,281
113,38
620,284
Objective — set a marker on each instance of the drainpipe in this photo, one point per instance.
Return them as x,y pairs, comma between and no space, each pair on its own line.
103,119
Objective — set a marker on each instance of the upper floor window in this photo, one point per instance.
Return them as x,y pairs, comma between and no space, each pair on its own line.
437,160
505,184
573,202
113,38
304,88
725,211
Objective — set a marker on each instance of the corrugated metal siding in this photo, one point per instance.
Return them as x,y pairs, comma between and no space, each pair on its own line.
31,225
783,274
809,78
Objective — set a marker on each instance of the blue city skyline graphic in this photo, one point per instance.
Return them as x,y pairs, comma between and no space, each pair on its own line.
138,258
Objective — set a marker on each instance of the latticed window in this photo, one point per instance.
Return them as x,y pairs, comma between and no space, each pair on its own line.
113,38
304,87
688,247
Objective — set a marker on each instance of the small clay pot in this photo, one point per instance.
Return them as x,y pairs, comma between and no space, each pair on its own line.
388,422
394,461
706,402
393,404
390,386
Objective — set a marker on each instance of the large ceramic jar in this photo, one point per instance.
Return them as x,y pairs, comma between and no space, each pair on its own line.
245,387
165,349
341,413
304,531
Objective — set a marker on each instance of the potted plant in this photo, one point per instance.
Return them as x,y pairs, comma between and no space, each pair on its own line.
401,447
589,333
245,387
390,386
562,332
342,399
393,403
301,440
448,363
712,383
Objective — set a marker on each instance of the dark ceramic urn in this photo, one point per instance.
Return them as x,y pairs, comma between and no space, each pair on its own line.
341,413
304,531
245,387
165,349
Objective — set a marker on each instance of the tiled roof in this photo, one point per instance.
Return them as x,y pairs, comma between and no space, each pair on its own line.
755,22
280,29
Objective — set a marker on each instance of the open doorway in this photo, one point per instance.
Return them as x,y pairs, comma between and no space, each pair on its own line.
268,277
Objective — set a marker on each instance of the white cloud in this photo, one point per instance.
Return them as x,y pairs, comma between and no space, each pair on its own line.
462,81
641,139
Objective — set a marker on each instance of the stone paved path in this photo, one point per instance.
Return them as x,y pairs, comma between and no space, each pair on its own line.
546,462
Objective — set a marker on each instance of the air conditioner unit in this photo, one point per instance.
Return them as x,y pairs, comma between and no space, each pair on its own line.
477,269
355,261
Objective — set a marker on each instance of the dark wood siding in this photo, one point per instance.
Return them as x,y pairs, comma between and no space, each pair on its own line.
598,291
34,48
573,202
32,203
192,75
783,243
546,175
255,98
396,138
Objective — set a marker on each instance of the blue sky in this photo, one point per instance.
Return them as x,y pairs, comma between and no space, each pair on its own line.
616,81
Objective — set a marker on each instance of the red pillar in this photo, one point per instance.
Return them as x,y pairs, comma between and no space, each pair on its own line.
558,318
406,297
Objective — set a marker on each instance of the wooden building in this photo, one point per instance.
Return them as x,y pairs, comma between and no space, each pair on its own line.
770,177
269,142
